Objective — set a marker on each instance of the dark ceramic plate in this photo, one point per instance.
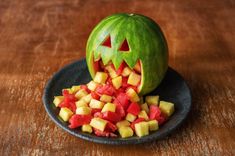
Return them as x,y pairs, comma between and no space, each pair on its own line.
173,88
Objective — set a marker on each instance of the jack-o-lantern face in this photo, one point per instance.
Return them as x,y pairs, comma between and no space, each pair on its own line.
130,39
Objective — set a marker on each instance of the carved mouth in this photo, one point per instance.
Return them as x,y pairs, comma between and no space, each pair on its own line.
131,77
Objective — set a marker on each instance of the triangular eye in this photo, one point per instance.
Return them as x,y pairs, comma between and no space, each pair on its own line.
107,42
124,46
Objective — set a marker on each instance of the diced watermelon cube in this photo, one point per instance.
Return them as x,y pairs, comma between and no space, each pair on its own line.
161,119
98,115
95,96
110,127
123,100
154,112
136,121
95,110
106,89
124,82
134,108
119,109
85,88
79,120
111,116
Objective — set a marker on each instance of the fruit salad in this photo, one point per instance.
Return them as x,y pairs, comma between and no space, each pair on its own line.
110,104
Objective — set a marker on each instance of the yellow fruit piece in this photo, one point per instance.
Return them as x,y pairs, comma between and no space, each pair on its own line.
87,128
105,98
92,85
145,107
125,132
123,123
117,82
142,129
167,108
109,107
132,95
111,71
130,117
126,71
98,123
143,114
84,110
74,89
69,90
137,67
65,113
57,100
134,79
81,93
100,77
96,104
80,103
152,100
87,98
153,125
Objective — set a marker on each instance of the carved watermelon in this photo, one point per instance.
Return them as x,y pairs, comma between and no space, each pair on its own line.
129,38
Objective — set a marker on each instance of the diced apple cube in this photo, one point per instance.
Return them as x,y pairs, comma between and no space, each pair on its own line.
65,113
92,85
130,117
126,71
152,100
87,128
84,110
117,82
57,100
132,95
98,123
109,107
125,132
142,129
143,114
87,98
105,98
145,107
81,103
137,67
96,104
153,125
123,123
134,79
74,89
100,77
111,71
81,93
167,108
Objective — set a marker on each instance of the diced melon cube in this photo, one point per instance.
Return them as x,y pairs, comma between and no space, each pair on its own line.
143,114
117,82
126,71
87,128
111,71
65,113
153,125
87,98
105,98
152,100
166,108
132,95
142,129
145,107
80,103
74,89
130,117
57,100
109,107
84,110
134,79
69,90
92,85
100,77
123,123
96,104
98,123
137,67
81,93
125,132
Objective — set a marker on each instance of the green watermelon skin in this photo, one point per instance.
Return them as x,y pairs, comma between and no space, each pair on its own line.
146,43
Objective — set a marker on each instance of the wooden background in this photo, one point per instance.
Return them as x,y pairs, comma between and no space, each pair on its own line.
38,37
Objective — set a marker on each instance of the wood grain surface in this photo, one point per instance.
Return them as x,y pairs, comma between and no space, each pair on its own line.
38,37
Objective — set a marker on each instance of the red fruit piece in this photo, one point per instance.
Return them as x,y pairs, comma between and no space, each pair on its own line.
79,120
124,82
161,119
120,69
85,88
110,127
95,96
119,109
97,66
123,100
104,133
98,115
134,108
154,112
95,110
106,89
111,116
136,121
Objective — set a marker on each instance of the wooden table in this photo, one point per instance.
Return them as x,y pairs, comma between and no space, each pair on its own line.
37,38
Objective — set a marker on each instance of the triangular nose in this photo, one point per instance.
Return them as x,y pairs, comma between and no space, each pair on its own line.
124,46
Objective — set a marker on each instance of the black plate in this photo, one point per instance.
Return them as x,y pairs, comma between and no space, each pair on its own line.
173,88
